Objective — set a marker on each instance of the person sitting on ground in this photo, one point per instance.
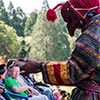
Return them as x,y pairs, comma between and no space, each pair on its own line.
12,84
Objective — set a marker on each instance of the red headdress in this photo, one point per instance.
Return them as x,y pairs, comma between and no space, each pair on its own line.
74,9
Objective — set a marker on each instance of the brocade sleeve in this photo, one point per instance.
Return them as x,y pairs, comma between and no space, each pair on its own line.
83,63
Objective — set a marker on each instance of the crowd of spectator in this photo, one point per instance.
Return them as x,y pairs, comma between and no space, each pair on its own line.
15,81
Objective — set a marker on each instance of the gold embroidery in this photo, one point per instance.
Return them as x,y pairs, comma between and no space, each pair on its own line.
88,49
64,72
98,21
76,67
92,35
50,70
79,59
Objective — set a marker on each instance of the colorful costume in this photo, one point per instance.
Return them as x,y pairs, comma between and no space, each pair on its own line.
82,69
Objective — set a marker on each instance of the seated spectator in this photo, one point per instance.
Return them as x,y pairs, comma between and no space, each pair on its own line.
42,88
12,84
1,80
3,95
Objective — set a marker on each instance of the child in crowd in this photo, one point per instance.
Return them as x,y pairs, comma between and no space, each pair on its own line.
12,84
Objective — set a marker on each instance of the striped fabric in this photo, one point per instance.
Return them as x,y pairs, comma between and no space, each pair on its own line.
84,63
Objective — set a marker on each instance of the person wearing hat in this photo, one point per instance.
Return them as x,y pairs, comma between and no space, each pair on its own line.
82,69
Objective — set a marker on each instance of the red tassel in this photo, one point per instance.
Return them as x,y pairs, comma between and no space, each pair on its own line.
51,15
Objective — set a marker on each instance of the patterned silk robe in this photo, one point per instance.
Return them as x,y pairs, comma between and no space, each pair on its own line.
82,69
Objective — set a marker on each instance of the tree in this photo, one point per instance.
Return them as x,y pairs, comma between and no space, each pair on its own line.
9,45
17,19
49,40
24,49
3,13
45,6
29,24
10,10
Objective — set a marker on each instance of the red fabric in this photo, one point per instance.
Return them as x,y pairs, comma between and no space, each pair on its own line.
85,4
70,15
58,74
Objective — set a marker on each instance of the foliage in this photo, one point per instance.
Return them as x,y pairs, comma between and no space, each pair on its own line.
9,45
25,49
17,19
3,13
29,24
50,42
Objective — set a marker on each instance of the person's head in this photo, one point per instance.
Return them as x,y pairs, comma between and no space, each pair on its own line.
14,71
76,13
2,71
22,64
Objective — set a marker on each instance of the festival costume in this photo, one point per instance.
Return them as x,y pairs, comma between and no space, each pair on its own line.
82,69
82,66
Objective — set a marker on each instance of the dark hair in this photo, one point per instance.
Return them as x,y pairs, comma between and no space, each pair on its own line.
2,70
11,64
63,92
